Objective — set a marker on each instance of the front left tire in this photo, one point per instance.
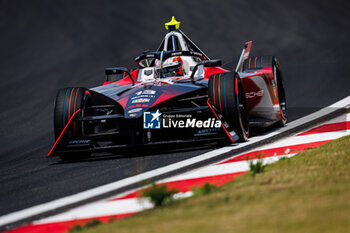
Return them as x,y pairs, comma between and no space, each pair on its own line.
226,93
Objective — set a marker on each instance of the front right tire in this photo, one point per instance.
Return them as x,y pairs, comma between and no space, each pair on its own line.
68,101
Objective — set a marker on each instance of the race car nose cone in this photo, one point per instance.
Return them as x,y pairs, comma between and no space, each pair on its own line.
140,100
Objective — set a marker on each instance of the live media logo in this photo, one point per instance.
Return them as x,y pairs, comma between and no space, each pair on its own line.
151,120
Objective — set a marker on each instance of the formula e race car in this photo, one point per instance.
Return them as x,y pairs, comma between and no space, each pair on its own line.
177,94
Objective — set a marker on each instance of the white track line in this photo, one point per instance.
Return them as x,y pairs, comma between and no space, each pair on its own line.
304,139
221,169
133,205
45,207
99,209
342,118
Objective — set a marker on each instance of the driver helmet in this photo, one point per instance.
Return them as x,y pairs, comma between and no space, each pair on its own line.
171,66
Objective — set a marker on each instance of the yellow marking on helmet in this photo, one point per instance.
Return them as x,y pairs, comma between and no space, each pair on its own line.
173,22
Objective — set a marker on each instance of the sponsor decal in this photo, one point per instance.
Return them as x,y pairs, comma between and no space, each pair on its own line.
207,131
273,83
141,100
176,54
144,94
253,94
86,141
151,120
192,123
135,110
149,92
132,115
163,82
196,53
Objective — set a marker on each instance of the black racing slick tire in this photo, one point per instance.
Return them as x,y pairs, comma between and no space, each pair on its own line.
260,62
69,101
281,91
257,62
226,93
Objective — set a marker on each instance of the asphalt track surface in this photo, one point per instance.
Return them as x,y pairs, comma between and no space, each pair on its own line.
47,45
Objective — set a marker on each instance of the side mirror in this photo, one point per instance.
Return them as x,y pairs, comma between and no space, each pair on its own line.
117,73
206,63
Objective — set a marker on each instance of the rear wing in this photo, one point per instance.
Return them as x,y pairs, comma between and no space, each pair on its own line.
244,56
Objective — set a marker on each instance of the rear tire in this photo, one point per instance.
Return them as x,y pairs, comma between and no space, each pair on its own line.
257,62
281,91
68,101
226,93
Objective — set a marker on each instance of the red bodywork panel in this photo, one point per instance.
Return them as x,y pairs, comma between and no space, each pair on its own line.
208,72
254,93
168,95
126,80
